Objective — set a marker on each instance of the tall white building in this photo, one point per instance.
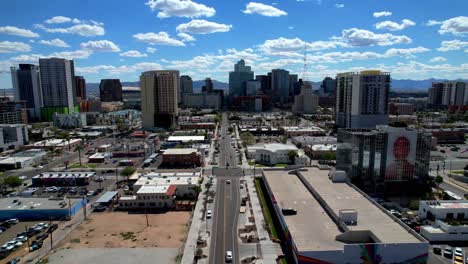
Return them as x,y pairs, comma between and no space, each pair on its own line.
159,98
362,99
27,86
448,93
306,102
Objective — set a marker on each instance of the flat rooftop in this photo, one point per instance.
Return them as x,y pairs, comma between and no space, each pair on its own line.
34,203
186,138
448,204
179,151
311,228
341,196
320,233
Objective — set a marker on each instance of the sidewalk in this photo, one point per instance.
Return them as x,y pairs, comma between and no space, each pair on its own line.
195,227
245,163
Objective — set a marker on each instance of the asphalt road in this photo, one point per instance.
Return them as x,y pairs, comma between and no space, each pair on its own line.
227,200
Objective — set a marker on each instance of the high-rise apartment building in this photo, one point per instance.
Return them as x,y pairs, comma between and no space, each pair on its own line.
159,98
238,78
27,87
362,99
80,86
110,90
450,93
280,85
384,158
293,79
58,87
186,86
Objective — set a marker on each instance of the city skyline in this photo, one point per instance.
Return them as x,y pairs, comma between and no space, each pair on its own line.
204,39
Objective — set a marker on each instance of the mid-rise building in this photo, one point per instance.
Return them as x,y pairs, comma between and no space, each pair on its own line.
450,93
13,136
110,90
159,98
293,80
203,100
238,78
401,109
253,87
385,158
131,97
186,86
12,112
265,83
280,85
73,120
327,87
80,85
362,99
58,87
208,87
306,102
184,157
27,87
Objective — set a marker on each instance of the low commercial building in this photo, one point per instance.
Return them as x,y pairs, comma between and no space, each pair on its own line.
104,148
51,144
294,131
185,139
271,154
321,151
99,157
66,178
303,141
39,209
448,220
182,157
22,159
185,183
186,126
13,136
324,219
150,197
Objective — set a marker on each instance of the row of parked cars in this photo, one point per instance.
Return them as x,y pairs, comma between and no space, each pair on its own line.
40,231
449,253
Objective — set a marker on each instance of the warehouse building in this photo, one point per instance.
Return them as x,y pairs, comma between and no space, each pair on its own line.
334,222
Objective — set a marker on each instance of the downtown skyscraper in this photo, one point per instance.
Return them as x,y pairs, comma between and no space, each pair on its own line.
159,98
58,86
27,87
238,78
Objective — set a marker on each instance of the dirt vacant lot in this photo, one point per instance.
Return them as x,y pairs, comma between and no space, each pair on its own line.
123,230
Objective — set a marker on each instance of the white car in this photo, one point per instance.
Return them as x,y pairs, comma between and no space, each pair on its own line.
12,221
228,256
208,214
39,168
228,181
23,178
8,246
459,252
21,239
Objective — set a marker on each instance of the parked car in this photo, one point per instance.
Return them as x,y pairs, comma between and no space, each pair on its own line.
437,250
35,246
289,211
21,239
12,221
208,214
99,208
23,178
14,261
8,246
42,237
52,228
448,253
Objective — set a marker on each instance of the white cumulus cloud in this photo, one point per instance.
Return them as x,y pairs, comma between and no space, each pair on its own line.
186,37
451,45
361,37
61,19
457,26
264,10
180,8
100,46
200,26
55,43
14,31
161,38
339,5
13,46
85,30
71,55
382,14
431,22
438,59
295,47
133,54
150,50
394,26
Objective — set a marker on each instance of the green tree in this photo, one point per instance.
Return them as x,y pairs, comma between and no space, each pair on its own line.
439,180
65,135
12,181
79,148
292,155
247,138
127,172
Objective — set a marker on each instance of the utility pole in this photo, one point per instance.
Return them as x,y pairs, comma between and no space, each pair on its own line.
27,237
84,207
146,213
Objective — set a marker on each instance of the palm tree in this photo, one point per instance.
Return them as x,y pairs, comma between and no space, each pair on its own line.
79,148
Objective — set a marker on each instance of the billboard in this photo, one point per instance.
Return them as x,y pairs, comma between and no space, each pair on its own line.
401,155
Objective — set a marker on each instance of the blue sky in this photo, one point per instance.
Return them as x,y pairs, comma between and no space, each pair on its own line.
415,39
